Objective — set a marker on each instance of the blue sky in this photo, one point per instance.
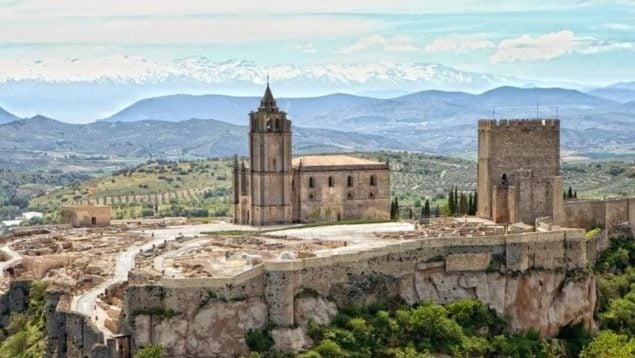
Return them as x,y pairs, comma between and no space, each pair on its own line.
580,41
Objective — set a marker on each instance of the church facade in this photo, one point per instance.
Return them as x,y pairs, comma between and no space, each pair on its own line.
274,188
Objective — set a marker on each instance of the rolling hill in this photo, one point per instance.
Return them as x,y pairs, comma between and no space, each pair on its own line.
195,137
6,117
429,121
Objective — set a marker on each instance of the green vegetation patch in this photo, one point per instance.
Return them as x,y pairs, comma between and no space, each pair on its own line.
25,333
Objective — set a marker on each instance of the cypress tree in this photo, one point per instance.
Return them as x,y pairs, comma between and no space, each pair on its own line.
475,208
462,204
396,208
470,203
392,209
575,194
570,193
426,208
438,211
456,199
451,201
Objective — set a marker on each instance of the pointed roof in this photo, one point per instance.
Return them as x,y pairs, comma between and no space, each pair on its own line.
267,100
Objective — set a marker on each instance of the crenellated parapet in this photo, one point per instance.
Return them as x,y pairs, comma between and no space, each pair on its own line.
511,124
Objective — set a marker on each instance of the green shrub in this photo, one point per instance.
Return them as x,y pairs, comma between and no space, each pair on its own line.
610,345
258,340
151,351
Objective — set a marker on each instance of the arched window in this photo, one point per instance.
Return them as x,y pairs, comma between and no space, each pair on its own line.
311,182
371,195
349,181
350,196
331,182
277,124
268,124
504,179
373,180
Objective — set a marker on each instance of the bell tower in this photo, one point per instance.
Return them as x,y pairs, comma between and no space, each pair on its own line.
270,163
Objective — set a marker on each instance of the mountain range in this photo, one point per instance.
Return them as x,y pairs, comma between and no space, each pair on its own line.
82,90
193,137
431,121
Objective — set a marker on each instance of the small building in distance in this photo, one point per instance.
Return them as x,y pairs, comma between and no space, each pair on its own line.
519,171
86,215
273,188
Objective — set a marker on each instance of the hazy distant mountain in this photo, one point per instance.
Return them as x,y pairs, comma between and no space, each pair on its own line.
620,92
354,112
231,109
81,90
6,117
431,121
197,137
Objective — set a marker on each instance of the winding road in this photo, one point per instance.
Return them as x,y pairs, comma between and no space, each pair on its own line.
85,303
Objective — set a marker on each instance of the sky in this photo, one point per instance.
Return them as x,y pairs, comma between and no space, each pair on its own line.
588,42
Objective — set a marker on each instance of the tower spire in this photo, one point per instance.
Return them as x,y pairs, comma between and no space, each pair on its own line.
268,102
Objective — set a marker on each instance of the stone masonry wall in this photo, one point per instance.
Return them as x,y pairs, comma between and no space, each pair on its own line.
599,213
510,273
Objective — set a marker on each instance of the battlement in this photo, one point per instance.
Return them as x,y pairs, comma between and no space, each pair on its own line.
488,124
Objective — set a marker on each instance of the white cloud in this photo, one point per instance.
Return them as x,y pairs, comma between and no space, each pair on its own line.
605,46
529,48
619,26
308,48
552,45
91,8
397,43
195,30
458,44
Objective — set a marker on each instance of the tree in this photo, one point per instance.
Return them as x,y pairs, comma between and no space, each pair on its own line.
569,193
456,199
394,209
451,201
426,209
610,345
475,203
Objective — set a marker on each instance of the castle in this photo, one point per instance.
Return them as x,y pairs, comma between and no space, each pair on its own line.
519,171
276,189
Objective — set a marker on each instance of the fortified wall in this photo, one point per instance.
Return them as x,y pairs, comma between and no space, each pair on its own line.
538,279
609,213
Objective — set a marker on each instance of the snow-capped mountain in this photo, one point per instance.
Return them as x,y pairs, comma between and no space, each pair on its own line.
135,70
82,90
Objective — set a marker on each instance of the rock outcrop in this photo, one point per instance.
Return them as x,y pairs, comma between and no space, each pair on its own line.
211,330
541,299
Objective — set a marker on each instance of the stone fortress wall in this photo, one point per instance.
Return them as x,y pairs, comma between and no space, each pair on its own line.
194,317
608,214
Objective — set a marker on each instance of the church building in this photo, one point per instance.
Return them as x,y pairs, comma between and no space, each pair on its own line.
274,188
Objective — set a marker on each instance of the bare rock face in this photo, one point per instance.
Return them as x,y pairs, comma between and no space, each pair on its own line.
216,329
317,309
541,299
